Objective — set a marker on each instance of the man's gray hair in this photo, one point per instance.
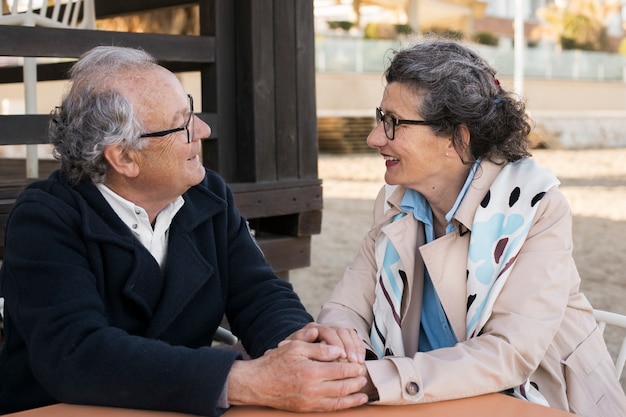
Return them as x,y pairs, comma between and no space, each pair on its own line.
93,115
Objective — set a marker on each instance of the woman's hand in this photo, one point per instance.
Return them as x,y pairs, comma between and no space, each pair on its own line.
348,340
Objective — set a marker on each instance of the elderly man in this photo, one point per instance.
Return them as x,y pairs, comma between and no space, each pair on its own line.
119,268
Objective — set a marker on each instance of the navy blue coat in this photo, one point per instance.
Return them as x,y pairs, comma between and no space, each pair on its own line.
92,319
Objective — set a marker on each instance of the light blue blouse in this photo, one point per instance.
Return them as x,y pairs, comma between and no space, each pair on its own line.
435,329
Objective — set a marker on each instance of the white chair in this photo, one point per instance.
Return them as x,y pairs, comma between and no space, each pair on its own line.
613,319
75,14
223,335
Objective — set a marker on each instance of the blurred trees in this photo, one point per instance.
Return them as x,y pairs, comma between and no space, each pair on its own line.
579,25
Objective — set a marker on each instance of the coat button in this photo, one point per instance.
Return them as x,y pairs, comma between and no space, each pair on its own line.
412,388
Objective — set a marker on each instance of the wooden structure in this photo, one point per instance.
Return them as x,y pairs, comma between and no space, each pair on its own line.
256,64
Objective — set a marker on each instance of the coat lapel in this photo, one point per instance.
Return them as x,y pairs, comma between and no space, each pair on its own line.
446,260
187,270
185,275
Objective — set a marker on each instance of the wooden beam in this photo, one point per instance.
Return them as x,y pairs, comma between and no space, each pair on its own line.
28,129
298,224
286,253
69,43
24,129
59,71
278,199
111,8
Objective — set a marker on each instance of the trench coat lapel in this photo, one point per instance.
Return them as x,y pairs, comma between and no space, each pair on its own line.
446,257
446,260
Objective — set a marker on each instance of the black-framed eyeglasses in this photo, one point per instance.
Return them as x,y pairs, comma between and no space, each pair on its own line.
390,123
178,129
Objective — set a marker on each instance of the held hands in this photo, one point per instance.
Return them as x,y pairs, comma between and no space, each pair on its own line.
347,339
301,375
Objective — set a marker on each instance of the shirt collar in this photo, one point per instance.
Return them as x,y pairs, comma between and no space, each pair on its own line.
136,218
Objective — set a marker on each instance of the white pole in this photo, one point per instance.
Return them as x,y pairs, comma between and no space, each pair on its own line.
30,99
30,96
518,26
413,15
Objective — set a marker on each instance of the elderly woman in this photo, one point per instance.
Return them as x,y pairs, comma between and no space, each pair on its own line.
466,284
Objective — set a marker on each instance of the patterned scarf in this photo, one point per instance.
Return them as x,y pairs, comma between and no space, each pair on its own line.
499,229
386,333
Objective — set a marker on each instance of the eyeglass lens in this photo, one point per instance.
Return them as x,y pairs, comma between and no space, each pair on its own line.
190,131
388,124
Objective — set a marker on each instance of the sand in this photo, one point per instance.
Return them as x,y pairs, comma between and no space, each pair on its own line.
594,182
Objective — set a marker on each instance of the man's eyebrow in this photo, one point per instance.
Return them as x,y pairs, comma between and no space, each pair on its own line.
181,112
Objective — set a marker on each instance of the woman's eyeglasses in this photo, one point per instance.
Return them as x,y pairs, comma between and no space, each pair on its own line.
390,123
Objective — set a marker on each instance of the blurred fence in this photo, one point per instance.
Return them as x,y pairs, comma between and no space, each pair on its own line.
346,54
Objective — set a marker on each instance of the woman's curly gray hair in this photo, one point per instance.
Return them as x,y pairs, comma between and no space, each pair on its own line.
93,115
458,87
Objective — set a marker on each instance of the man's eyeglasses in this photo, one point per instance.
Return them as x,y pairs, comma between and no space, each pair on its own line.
390,123
178,129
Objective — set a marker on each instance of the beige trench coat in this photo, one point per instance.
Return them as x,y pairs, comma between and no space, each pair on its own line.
541,325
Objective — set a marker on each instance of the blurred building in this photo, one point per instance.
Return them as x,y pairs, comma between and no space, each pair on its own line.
465,17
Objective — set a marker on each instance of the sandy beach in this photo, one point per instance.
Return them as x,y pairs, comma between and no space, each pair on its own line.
594,182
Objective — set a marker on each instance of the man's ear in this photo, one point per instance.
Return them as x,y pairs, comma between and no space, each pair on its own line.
121,160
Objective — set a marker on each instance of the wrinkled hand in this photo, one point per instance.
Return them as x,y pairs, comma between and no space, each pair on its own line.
298,376
346,339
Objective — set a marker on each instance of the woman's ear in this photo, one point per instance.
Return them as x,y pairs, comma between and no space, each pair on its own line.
460,142
122,160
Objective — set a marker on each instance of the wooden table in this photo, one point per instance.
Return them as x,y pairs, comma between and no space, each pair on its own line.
491,405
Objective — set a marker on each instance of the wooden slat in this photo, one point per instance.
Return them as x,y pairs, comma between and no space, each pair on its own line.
64,43
111,8
59,70
256,110
299,224
22,129
278,200
45,72
13,171
306,104
219,92
287,140
286,253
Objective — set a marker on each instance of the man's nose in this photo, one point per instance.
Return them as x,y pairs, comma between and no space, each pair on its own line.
201,130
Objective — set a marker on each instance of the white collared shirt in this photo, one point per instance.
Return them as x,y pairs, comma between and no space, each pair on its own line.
136,218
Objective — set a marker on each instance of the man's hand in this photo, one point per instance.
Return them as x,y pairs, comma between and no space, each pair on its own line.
298,376
346,339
